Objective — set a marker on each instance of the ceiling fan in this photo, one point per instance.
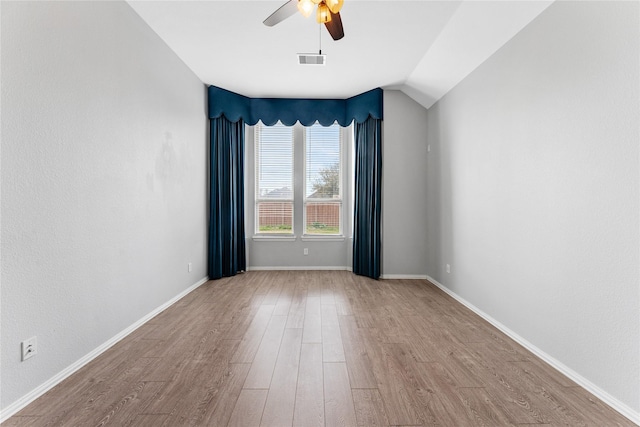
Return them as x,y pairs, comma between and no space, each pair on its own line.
327,13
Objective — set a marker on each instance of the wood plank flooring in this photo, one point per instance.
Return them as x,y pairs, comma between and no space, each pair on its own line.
326,348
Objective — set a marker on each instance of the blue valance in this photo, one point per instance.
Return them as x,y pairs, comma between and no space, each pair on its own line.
234,107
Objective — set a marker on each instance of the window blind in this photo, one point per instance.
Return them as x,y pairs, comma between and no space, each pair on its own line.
274,162
274,179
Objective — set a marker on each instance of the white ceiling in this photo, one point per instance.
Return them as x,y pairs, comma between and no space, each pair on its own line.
421,47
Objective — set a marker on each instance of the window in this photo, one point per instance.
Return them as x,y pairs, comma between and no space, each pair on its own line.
323,179
307,180
274,179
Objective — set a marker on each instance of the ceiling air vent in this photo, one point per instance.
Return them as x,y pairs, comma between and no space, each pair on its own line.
311,59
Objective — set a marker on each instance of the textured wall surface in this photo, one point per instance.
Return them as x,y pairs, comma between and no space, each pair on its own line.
103,181
404,207
533,190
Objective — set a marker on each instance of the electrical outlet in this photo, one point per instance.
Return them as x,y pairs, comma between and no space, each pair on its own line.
448,268
189,267
29,348
306,251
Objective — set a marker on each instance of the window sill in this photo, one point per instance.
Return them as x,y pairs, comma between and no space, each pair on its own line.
274,238
305,238
322,238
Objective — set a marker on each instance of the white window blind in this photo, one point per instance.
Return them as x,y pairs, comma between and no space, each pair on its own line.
274,179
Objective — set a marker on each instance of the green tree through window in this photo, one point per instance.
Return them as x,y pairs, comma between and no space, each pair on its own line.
327,184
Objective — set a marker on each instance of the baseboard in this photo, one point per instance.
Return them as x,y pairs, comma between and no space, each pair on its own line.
614,403
16,406
338,268
288,267
404,277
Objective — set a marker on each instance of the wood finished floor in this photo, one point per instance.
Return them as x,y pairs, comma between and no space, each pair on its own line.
317,349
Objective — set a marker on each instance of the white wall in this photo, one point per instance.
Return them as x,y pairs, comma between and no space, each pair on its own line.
533,191
104,171
404,207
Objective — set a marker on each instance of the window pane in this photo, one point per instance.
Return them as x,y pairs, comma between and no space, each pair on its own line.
323,162
275,217
322,218
274,161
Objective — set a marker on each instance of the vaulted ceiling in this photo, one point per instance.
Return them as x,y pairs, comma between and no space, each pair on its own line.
421,47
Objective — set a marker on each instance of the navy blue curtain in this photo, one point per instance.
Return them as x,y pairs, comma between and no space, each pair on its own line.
368,192
226,210
229,111
291,110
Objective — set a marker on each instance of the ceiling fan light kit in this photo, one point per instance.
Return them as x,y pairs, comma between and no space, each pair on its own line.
334,5
323,15
327,13
305,7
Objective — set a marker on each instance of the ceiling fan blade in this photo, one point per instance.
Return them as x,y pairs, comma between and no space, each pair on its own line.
283,12
335,26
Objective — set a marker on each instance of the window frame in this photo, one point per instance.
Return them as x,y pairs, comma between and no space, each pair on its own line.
299,182
258,199
307,200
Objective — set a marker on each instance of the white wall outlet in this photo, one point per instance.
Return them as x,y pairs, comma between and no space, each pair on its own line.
448,267
189,267
29,348
306,251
